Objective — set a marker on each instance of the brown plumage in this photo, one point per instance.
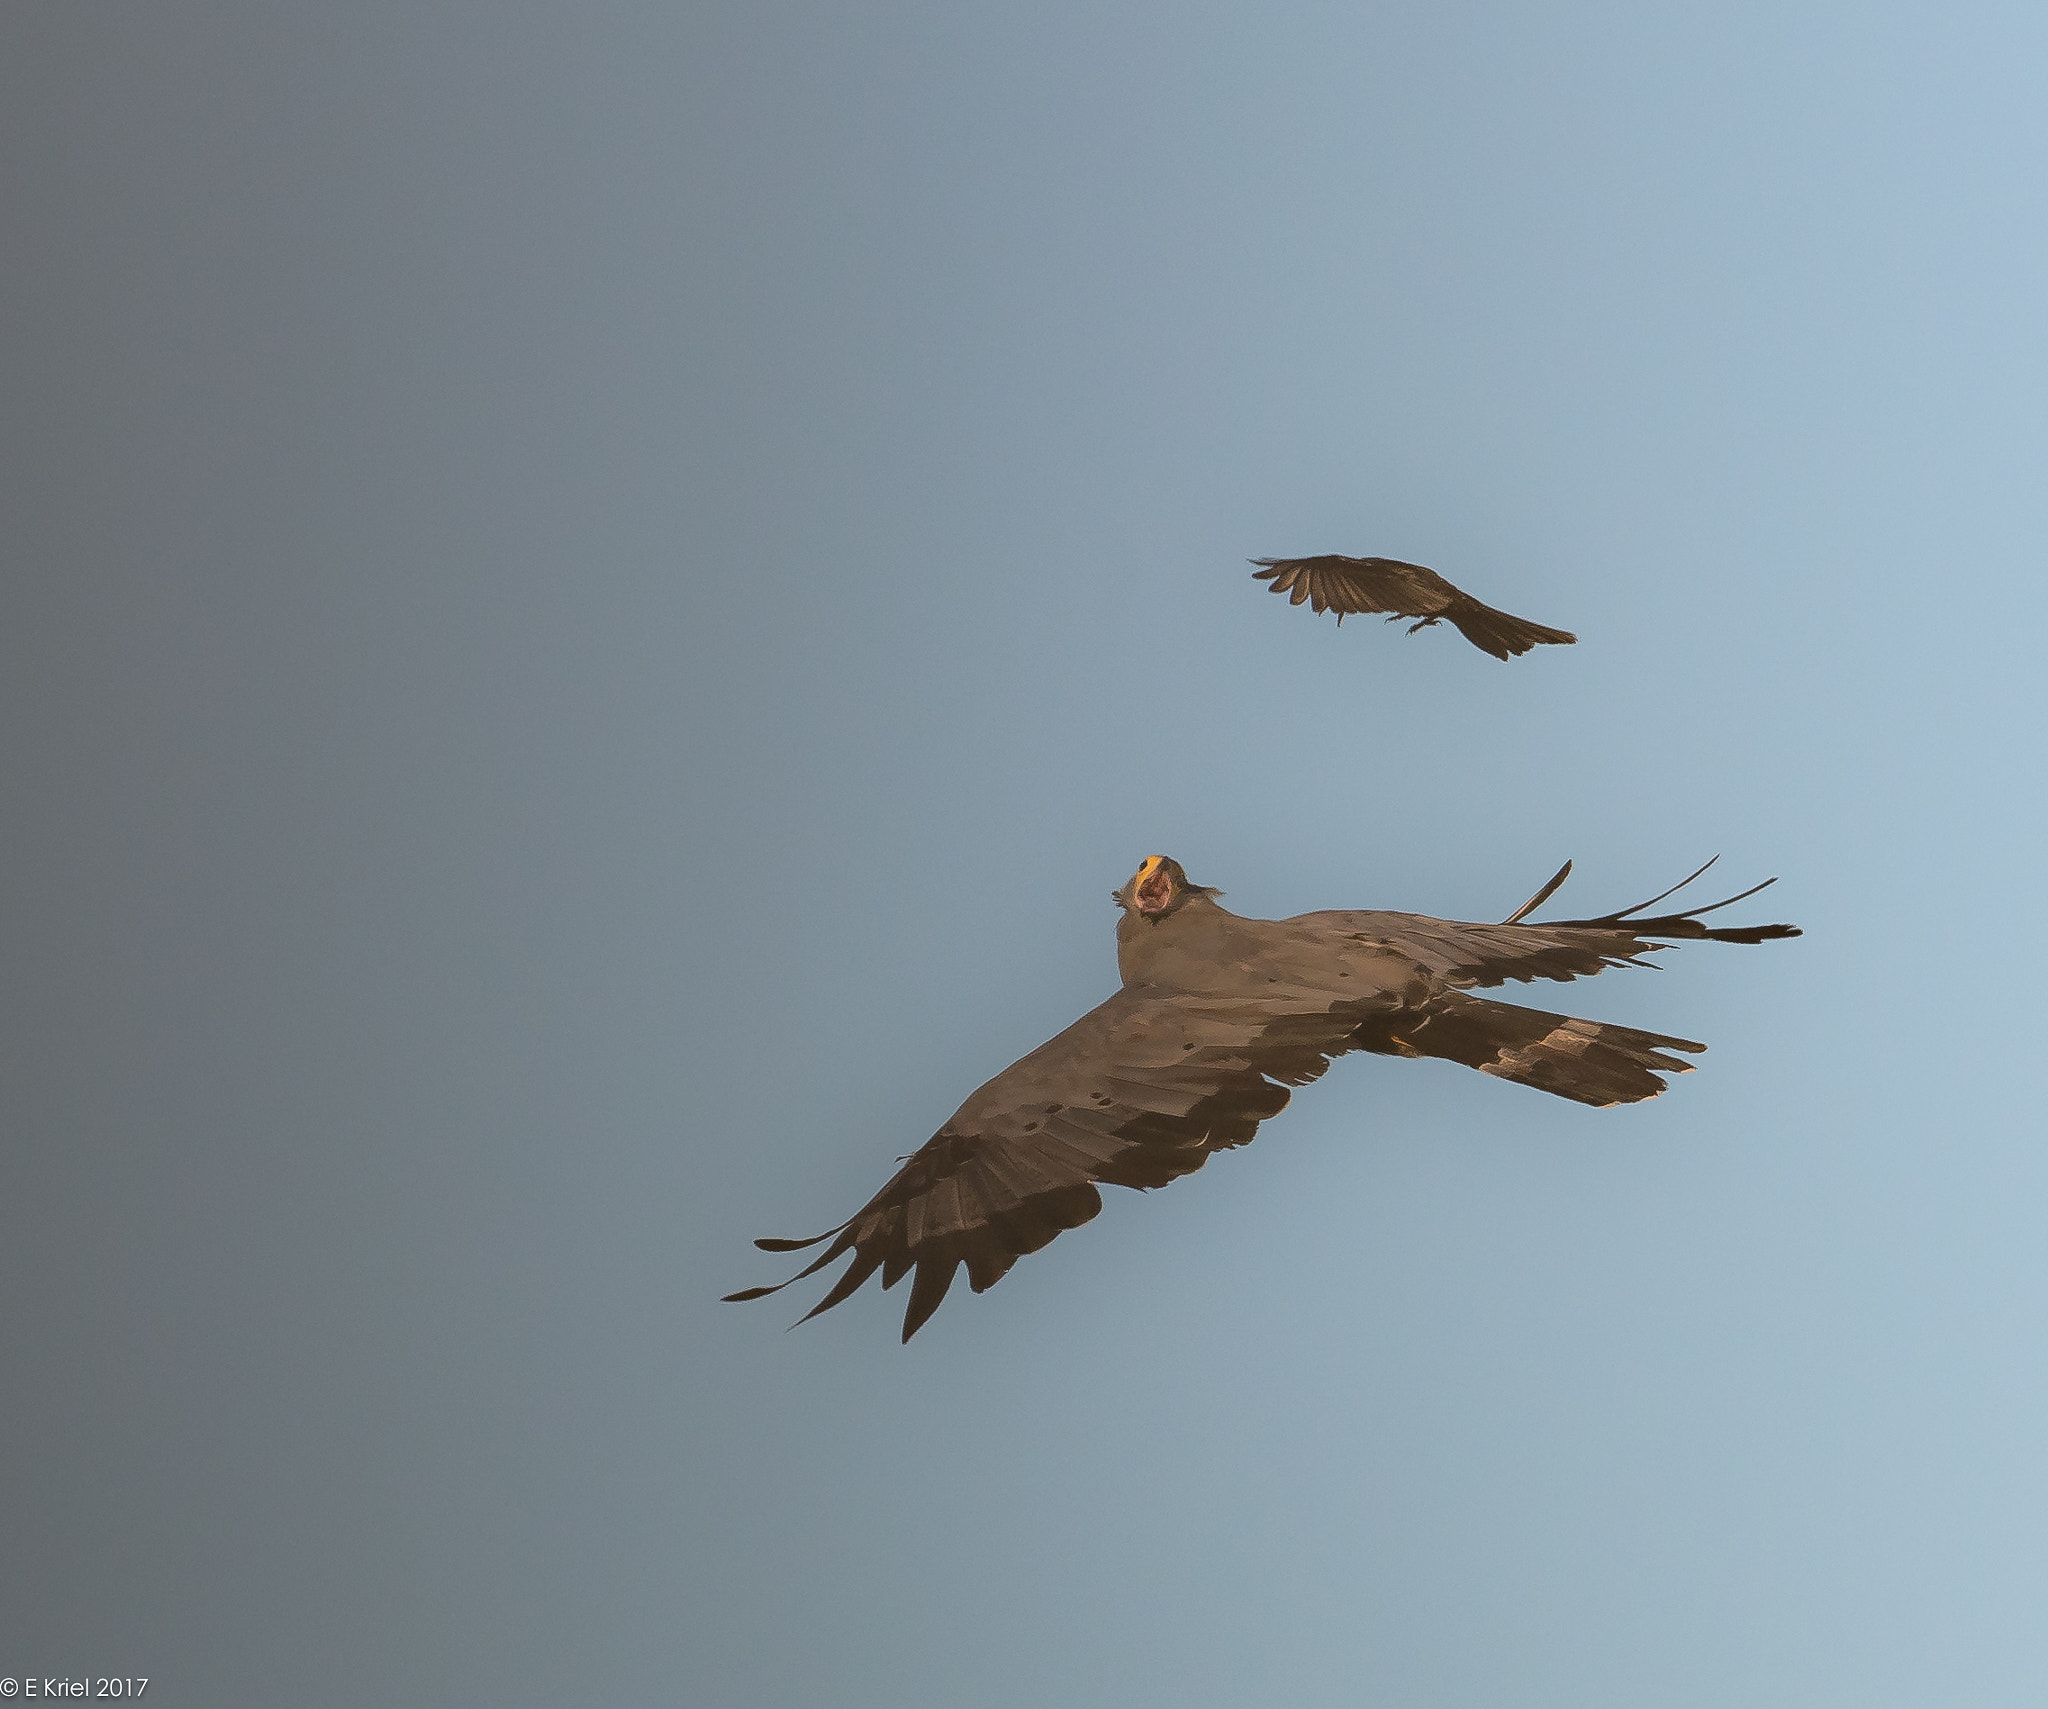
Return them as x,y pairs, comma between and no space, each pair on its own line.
1218,1016
1348,586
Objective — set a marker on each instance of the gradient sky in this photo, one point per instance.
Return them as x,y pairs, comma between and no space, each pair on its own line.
595,599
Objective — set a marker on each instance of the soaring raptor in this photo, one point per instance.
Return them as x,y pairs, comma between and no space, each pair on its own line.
1218,1016
1348,586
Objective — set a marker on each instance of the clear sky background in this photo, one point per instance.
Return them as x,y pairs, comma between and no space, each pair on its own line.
595,599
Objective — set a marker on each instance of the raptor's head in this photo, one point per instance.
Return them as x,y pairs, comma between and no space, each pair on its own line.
1159,886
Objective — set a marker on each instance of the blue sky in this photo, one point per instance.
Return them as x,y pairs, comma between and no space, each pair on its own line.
596,603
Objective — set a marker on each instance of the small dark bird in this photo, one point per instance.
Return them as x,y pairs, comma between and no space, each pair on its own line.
1218,1016
1348,586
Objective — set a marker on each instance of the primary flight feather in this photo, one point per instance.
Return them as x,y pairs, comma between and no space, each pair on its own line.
1218,1016
1349,586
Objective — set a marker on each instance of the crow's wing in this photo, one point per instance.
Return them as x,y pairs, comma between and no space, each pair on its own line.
1349,586
1136,1093
1465,953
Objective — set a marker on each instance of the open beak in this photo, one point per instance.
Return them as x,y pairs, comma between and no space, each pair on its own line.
1153,888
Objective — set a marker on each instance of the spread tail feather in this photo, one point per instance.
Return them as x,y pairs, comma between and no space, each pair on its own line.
1590,1062
1501,635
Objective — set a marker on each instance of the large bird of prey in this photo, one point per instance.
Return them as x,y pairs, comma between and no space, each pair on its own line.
1348,586
1218,1016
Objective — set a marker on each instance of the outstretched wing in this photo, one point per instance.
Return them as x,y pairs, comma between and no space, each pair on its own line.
1136,1093
1348,586
1463,953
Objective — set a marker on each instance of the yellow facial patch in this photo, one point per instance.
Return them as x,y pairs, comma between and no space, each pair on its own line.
1153,889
